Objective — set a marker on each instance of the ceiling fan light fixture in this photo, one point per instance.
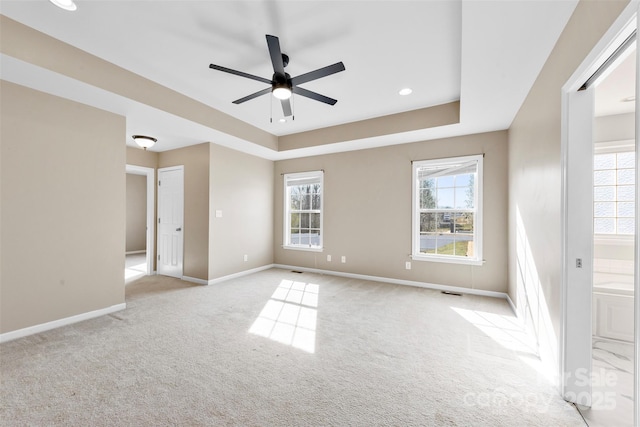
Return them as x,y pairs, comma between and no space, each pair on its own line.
144,141
281,92
65,4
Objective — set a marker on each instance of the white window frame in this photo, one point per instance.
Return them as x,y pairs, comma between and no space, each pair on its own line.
477,232
314,177
606,148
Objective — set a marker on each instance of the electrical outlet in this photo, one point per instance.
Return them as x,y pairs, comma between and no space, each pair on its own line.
246,258
328,258
344,259
407,265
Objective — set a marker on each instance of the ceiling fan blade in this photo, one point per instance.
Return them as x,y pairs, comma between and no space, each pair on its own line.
276,54
239,73
286,107
313,95
319,73
253,95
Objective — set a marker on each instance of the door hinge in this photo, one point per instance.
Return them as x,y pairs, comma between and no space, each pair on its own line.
159,183
158,257
158,220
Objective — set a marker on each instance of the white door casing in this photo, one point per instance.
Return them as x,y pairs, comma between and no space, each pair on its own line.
170,221
150,214
577,118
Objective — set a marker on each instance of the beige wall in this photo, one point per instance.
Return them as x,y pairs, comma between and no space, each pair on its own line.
195,160
140,157
367,212
535,179
136,239
242,189
63,208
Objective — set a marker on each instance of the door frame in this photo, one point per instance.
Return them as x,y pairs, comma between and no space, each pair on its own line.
150,214
574,337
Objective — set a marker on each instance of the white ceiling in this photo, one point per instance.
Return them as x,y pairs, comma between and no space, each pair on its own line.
486,54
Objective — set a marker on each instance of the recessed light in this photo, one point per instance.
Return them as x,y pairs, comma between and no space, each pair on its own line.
629,98
65,4
405,91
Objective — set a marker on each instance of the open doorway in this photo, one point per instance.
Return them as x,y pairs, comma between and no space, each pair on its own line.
613,245
599,228
140,242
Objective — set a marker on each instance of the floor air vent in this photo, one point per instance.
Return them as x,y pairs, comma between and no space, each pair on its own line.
451,293
296,271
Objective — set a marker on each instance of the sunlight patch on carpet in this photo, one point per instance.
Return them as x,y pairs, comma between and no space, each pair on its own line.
289,317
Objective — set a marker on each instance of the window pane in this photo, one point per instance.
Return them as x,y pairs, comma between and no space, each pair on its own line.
445,222
428,243
306,202
604,225
316,201
626,176
445,181
314,236
304,237
626,160
626,209
427,198
427,222
626,193
464,223
607,177
445,198
626,226
604,194
295,236
314,220
604,161
295,200
464,198
295,220
604,209
304,220
428,183
464,180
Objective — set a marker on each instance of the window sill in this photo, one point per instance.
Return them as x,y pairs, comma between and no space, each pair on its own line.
447,260
302,248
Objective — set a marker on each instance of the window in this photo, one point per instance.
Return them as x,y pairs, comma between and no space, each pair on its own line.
614,193
447,214
303,210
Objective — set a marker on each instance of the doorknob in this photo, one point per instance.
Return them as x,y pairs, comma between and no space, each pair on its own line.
179,229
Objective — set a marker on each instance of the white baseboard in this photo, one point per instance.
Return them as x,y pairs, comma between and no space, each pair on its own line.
240,274
228,277
434,286
144,251
31,330
195,280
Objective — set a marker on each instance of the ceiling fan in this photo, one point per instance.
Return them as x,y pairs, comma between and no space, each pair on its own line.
282,84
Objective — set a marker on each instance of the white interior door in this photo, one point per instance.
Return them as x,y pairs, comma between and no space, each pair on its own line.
170,221
578,247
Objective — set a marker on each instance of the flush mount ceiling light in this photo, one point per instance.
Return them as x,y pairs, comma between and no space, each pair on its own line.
65,4
144,141
404,92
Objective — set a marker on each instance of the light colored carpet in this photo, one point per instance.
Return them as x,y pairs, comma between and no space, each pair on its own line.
322,350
